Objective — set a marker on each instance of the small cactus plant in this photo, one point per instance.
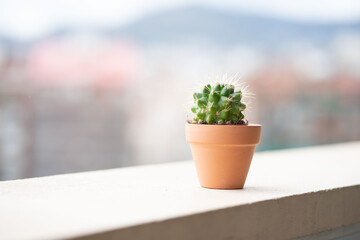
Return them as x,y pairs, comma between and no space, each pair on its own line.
218,104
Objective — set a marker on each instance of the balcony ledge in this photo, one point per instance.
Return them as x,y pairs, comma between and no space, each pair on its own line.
288,194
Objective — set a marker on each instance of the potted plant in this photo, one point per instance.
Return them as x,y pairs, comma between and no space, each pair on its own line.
222,142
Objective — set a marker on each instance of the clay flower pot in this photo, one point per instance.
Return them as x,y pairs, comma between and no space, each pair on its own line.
222,153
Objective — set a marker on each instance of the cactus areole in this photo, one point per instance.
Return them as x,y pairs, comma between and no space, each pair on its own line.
218,104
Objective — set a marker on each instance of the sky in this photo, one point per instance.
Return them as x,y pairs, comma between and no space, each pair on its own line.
24,19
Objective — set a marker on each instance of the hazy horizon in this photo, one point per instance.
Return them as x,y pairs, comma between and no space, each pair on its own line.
42,17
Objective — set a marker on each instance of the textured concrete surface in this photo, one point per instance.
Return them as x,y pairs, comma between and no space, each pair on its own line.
350,232
288,194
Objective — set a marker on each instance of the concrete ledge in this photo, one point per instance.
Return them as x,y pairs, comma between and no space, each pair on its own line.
349,232
288,194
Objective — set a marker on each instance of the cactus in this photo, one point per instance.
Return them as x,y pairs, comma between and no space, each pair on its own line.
218,104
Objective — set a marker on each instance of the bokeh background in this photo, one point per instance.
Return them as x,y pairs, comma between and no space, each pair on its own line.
87,85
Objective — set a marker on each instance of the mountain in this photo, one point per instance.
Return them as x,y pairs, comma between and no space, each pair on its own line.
228,28
4,40
209,25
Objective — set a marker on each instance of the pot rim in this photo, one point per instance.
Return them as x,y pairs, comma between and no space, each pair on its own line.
226,125
240,134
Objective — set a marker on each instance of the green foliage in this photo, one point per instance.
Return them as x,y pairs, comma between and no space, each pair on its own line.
218,104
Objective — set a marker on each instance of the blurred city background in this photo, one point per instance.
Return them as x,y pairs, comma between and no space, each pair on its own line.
87,85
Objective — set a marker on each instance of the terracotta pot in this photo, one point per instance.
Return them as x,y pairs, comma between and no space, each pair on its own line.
222,153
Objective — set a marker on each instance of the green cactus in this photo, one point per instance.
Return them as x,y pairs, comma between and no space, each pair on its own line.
218,104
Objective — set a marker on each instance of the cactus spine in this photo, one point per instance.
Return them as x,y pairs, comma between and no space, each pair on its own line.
218,104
